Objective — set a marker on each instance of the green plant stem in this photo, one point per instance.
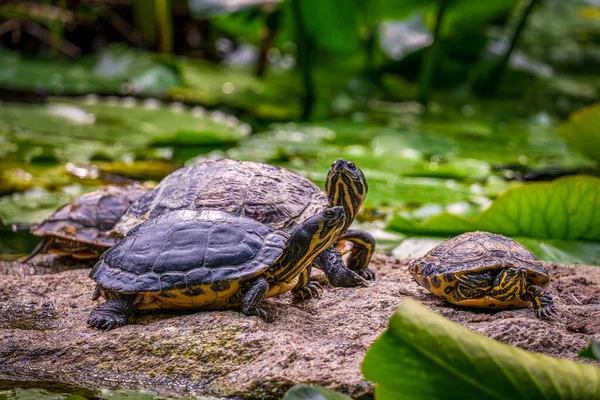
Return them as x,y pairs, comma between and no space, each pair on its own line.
272,25
428,69
491,83
305,61
165,25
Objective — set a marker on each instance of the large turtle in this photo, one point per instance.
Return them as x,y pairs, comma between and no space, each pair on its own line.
207,259
275,196
83,227
482,269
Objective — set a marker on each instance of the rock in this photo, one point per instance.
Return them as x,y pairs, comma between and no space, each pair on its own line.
44,336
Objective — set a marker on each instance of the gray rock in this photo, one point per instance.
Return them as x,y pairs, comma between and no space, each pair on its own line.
44,336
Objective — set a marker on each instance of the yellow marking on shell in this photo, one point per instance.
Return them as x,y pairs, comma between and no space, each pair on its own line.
177,299
489,302
281,287
479,302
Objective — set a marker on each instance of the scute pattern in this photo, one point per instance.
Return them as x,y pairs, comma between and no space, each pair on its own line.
89,218
274,196
478,251
185,249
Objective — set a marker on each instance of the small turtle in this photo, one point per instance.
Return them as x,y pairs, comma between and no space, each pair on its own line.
277,197
207,259
82,228
482,269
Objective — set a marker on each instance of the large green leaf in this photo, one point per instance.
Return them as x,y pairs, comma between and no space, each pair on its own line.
582,131
305,392
422,355
567,208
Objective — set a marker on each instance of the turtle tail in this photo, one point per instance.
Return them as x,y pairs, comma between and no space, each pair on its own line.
42,247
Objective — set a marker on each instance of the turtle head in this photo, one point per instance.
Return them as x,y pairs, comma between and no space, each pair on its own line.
347,187
309,239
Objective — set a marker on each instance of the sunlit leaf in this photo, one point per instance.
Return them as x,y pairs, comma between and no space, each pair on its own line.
567,208
582,131
422,355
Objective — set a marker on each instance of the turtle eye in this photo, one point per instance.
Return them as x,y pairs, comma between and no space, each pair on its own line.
328,214
351,166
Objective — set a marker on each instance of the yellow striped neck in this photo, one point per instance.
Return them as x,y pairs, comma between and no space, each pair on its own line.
302,248
343,191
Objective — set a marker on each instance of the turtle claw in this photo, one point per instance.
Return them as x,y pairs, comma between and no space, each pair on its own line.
106,321
547,313
366,273
312,290
259,312
347,278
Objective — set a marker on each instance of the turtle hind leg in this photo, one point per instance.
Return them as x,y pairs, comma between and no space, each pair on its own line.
254,296
114,313
363,246
543,305
469,286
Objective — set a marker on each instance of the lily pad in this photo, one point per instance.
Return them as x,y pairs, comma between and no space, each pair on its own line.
305,392
116,70
422,355
567,208
110,128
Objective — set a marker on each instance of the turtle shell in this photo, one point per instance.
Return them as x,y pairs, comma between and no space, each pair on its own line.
89,218
182,255
474,252
272,195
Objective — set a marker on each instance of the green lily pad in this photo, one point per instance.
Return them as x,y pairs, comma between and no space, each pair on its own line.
116,70
305,392
567,208
117,129
422,355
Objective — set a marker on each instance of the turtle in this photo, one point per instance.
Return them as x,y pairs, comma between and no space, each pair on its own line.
487,270
83,227
275,196
207,259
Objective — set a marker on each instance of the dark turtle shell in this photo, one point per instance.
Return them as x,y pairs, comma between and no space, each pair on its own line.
89,218
272,195
187,249
478,251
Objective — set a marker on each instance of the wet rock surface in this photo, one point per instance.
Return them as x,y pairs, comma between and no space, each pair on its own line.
44,336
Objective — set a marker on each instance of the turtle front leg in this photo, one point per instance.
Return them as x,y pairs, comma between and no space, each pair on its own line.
114,313
543,306
510,284
363,246
305,288
331,263
253,298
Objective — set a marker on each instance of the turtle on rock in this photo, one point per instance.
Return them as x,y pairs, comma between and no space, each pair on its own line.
208,259
275,196
482,269
83,227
